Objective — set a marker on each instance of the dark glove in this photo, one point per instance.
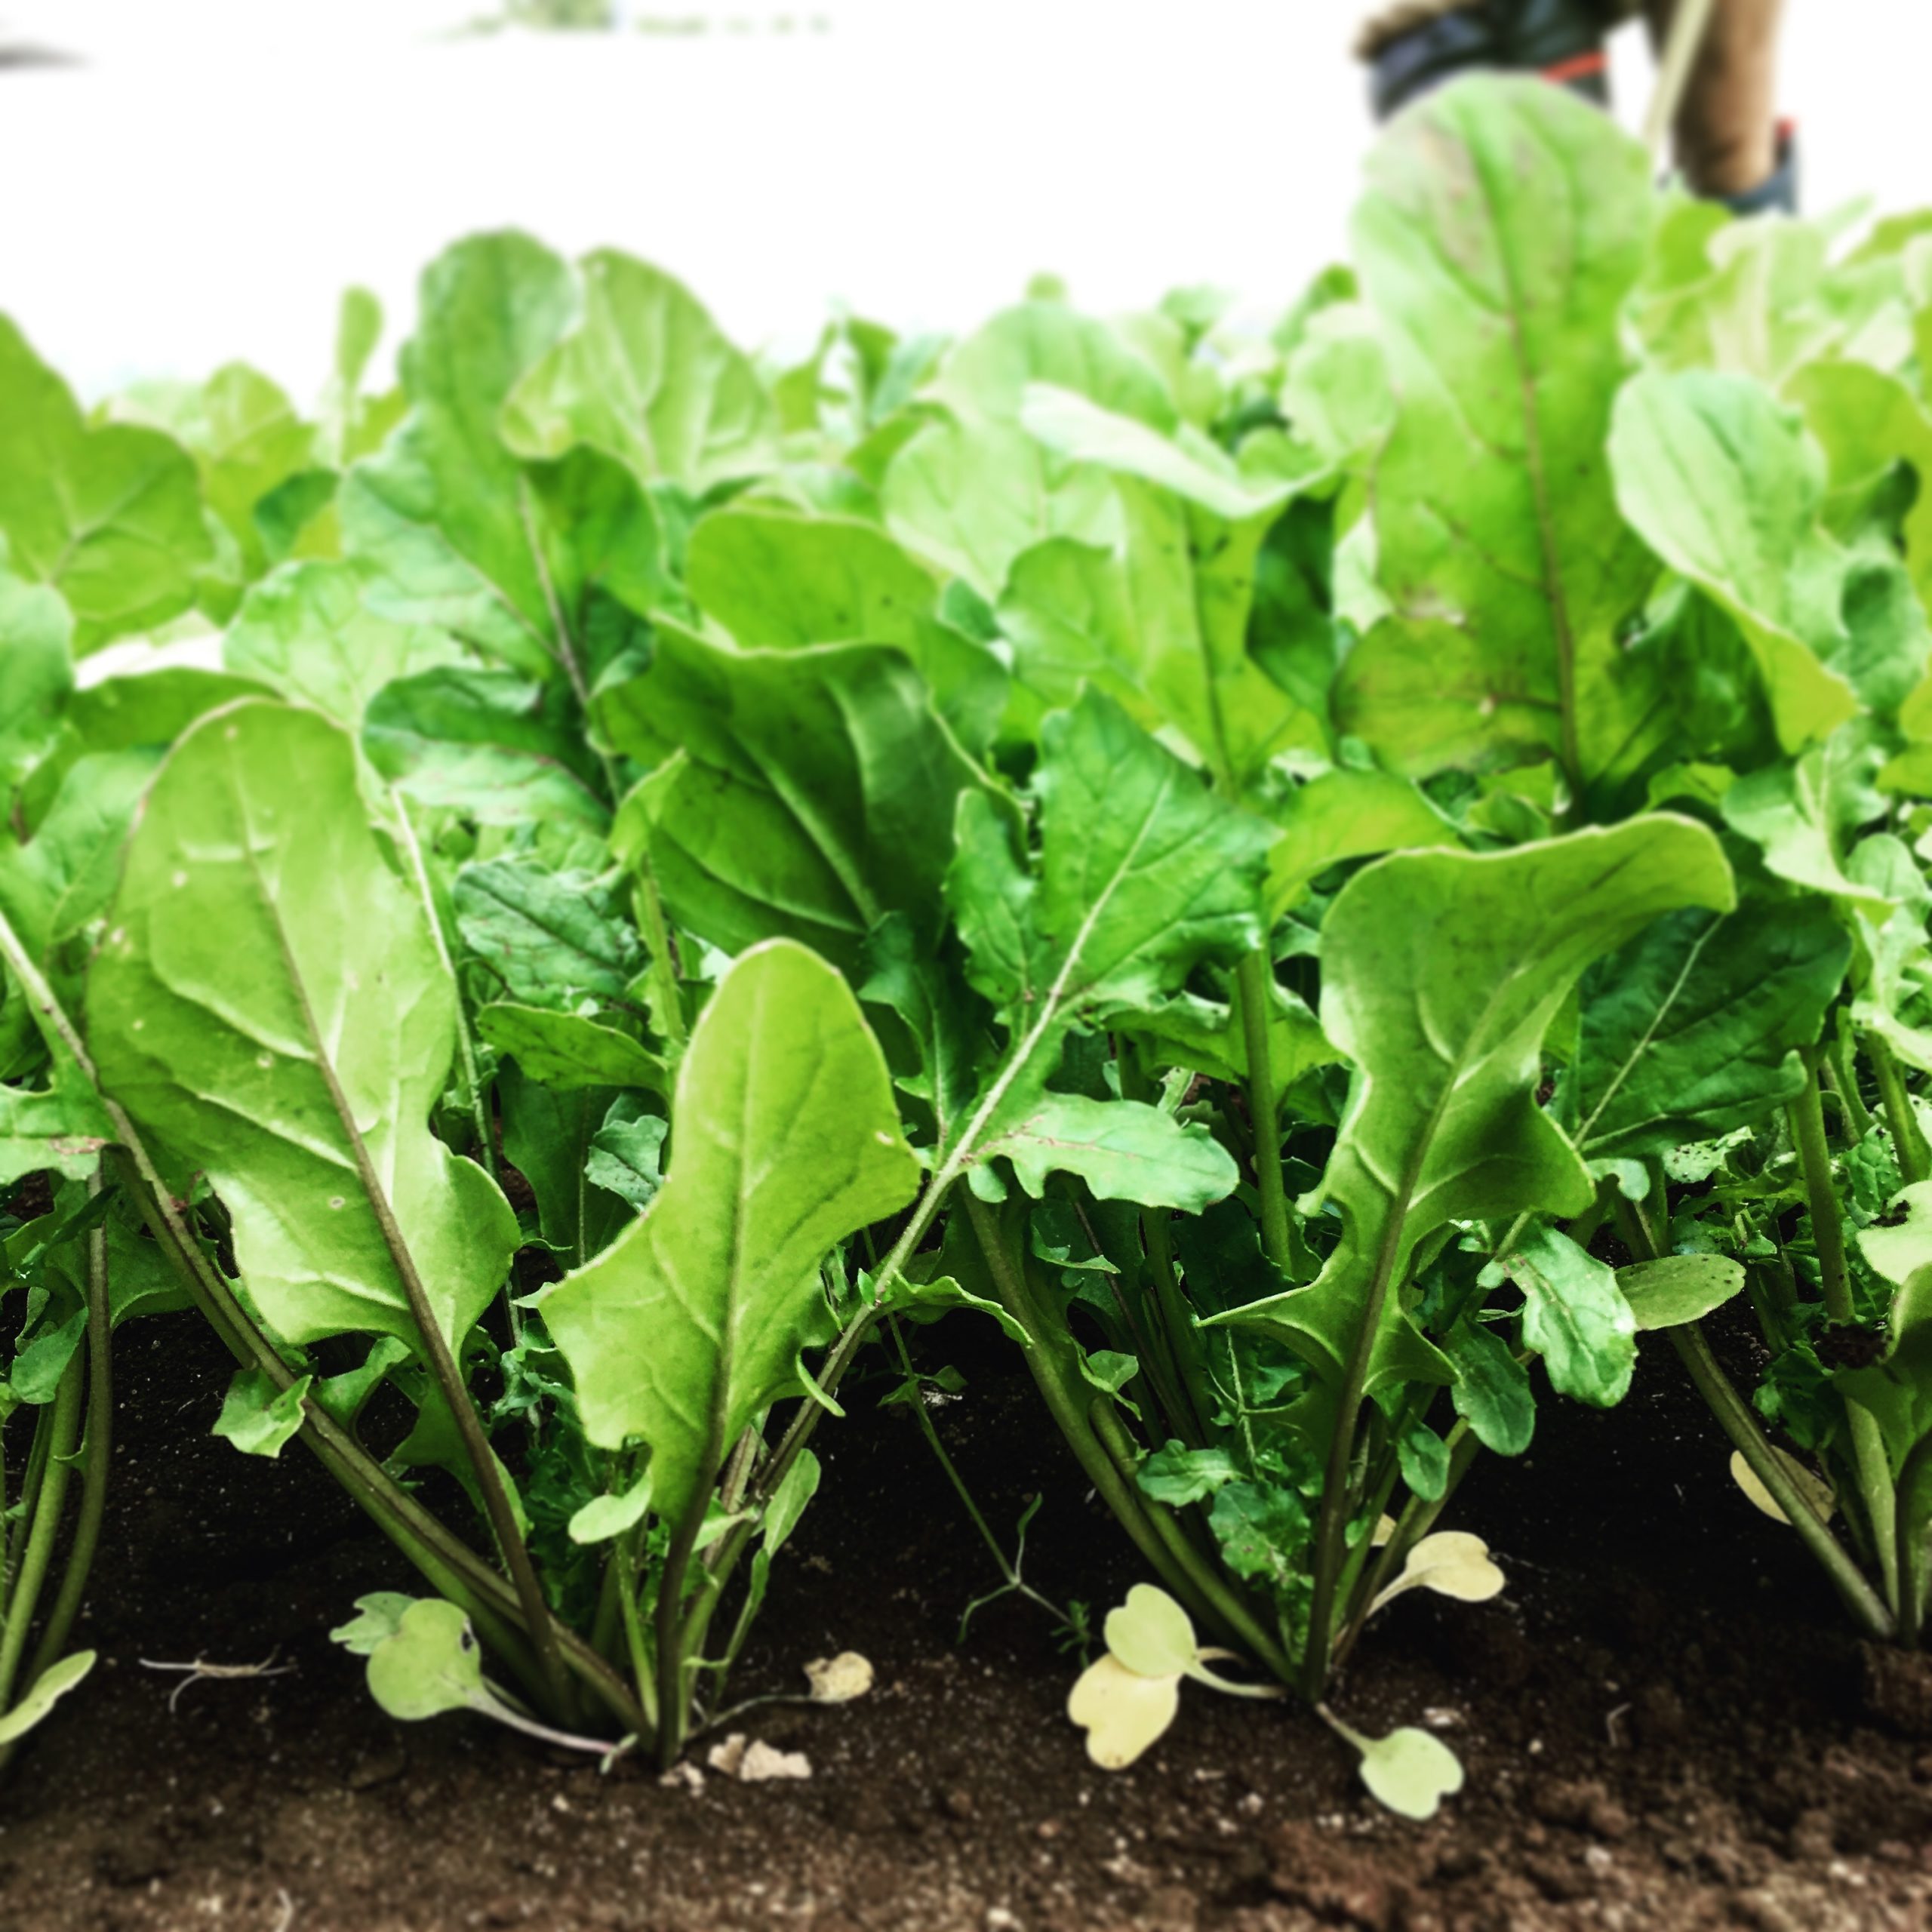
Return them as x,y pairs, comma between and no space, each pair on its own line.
1561,39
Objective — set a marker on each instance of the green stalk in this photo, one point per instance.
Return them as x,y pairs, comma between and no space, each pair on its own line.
1179,1319
1913,1553
1738,1423
1839,1066
64,1432
1868,1442
1068,1406
30,1480
1254,982
1228,1609
1908,1140
99,1440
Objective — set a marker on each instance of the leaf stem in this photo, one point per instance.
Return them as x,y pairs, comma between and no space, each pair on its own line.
99,1444
444,1558
1253,986
1908,1139
1741,1426
1868,1442
63,1432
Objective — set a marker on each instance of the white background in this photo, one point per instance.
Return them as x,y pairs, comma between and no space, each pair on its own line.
206,181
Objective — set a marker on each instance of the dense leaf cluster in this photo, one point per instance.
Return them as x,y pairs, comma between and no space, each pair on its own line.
1327,880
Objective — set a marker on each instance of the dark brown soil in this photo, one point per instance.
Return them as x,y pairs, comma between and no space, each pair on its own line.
1665,1722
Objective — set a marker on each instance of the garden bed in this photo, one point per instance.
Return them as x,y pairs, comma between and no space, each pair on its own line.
1665,1720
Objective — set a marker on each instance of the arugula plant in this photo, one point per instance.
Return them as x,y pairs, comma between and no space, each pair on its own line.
1303,876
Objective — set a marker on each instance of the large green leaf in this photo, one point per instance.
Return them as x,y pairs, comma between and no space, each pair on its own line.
1142,875
779,580
784,1141
647,376
490,744
245,435
305,631
550,937
815,795
971,492
36,675
1575,1317
1441,972
1726,488
1160,621
1693,1030
1504,225
271,1008
441,521
111,515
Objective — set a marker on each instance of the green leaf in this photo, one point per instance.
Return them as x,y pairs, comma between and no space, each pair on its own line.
270,1007
923,1301
305,631
49,1687
60,1126
548,1131
1575,1317
1442,973
36,674
646,375
559,1050
1160,623
1143,874
110,515
604,1516
136,693
784,1141
550,936
1492,1388
1424,1457
245,436
379,1615
1693,1030
970,492
1344,815
1263,1530
1122,1150
1176,1475
1867,422
816,794
1150,1633
1679,1288
778,580
1799,814
259,1418
1505,223
440,522
494,747
626,1154
429,1664
1410,1771
789,1501
1725,486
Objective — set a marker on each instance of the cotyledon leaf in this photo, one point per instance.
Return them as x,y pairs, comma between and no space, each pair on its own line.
784,1140
1441,972
270,1006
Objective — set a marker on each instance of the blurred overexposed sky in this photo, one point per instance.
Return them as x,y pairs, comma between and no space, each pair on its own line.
204,180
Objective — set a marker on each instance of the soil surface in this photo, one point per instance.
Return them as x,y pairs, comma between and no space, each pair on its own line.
1664,1720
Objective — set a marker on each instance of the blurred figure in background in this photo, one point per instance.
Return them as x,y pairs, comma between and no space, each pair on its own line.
1729,143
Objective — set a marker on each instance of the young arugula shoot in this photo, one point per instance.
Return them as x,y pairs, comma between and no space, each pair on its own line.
1126,1700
